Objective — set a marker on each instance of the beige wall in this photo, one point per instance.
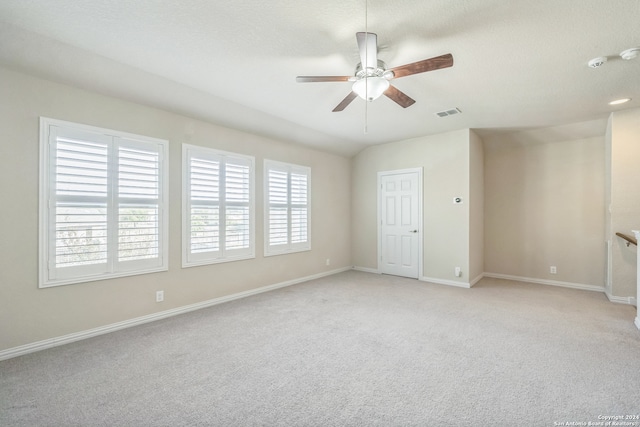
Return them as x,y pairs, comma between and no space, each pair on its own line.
544,206
607,204
476,207
29,314
445,159
624,145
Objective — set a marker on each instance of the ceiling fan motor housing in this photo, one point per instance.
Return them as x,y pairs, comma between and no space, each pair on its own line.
380,71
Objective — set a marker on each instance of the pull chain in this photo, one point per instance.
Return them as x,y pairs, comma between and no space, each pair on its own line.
364,66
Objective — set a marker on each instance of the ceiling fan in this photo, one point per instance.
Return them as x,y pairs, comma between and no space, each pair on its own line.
371,79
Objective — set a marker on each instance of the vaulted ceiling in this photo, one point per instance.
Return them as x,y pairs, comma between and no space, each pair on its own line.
517,64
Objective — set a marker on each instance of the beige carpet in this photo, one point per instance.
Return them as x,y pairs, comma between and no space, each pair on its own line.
353,349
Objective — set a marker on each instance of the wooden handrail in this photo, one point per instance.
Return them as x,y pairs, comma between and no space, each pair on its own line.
629,239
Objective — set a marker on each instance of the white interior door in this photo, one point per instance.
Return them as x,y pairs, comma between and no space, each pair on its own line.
400,210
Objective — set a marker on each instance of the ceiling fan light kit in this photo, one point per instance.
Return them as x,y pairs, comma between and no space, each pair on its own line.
371,83
372,78
370,87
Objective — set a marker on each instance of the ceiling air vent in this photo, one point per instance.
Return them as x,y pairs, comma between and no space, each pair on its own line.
446,113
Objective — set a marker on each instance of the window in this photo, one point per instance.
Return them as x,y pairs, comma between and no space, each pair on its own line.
218,206
287,208
103,197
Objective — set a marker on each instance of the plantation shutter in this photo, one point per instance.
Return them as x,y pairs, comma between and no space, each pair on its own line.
138,198
78,203
218,206
278,231
237,214
287,200
204,209
103,196
299,208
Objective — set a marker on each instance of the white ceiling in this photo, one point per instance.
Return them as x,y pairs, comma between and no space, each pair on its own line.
518,64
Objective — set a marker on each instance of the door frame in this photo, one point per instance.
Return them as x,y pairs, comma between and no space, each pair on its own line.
420,215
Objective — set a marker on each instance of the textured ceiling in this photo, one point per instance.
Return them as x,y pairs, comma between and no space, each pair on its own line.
517,64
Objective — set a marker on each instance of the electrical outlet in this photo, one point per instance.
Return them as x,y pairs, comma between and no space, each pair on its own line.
458,272
159,296
553,269
328,261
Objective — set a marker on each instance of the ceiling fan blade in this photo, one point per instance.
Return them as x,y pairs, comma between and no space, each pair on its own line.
399,97
436,63
368,46
352,95
309,79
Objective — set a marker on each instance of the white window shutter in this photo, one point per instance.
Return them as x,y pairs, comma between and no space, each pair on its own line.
299,208
79,196
204,212
102,204
287,203
278,198
138,195
219,205
237,199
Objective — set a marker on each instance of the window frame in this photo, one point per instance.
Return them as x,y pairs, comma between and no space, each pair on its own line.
48,274
189,258
289,247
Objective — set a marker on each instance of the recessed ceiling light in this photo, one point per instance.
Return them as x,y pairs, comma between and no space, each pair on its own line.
620,101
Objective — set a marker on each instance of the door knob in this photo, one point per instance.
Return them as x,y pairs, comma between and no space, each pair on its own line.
413,231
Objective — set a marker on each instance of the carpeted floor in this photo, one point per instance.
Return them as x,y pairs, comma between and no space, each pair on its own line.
353,349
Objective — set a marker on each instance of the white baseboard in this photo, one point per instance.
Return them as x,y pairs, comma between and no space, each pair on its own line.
366,269
446,282
617,300
547,282
476,280
606,291
429,279
77,336
620,300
